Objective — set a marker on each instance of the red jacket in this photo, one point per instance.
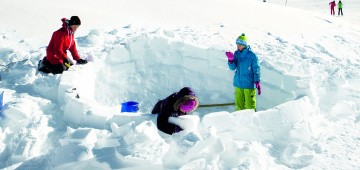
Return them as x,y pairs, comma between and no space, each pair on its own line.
61,40
332,4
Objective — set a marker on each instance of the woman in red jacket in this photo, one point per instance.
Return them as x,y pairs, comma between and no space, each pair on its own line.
56,60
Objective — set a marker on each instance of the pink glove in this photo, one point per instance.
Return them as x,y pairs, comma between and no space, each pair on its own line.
257,85
230,56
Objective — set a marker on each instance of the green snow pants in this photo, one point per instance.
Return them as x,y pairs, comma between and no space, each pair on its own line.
245,99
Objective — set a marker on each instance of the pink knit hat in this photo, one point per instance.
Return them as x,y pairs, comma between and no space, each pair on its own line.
188,106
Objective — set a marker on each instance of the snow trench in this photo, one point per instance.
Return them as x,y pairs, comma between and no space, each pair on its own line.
144,69
158,67
161,65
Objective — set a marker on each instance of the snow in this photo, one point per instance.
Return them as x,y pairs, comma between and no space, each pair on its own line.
307,115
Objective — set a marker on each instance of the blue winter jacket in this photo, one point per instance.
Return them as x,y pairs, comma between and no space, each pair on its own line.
247,68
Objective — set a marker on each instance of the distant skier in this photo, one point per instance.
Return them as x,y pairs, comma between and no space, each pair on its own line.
177,104
57,60
340,6
332,7
247,74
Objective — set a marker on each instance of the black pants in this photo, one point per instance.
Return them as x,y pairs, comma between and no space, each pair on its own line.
340,9
157,107
52,68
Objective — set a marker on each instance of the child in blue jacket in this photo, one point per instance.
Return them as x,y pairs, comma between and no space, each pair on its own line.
247,74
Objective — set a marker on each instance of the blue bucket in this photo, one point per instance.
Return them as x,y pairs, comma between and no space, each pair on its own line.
129,106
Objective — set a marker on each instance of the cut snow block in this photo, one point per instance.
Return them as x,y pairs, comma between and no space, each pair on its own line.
285,115
342,109
186,122
280,120
275,83
69,154
81,79
235,125
48,87
23,150
84,113
73,111
118,55
144,143
222,121
145,131
202,149
85,137
18,112
86,164
192,64
119,131
137,118
244,118
223,73
107,143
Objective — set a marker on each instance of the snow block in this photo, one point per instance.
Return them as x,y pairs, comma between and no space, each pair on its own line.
87,164
236,125
48,86
82,136
285,115
114,59
4,134
70,153
145,143
223,121
137,118
23,151
80,78
19,112
285,86
85,113
270,124
187,122
276,122
342,109
145,131
76,93
31,137
191,148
